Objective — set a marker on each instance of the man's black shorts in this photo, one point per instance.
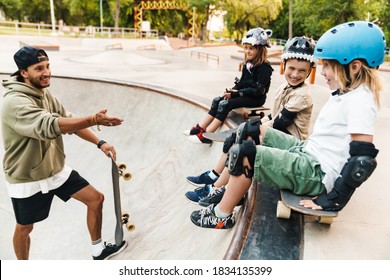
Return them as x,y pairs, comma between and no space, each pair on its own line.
37,207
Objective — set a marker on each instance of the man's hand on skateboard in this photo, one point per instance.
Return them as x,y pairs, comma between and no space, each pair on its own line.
109,150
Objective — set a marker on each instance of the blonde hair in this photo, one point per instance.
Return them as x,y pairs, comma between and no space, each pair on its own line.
261,56
368,76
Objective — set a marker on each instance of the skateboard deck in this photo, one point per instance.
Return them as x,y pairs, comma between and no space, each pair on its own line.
219,136
290,201
122,218
249,113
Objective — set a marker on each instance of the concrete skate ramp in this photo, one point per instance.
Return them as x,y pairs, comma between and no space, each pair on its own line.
159,156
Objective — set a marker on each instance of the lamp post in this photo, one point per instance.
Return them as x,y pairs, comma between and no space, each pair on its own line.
290,19
101,17
53,20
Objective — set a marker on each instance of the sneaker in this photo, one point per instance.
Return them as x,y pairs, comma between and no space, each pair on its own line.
202,179
198,193
206,218
199,139
111,250
215,196
193,131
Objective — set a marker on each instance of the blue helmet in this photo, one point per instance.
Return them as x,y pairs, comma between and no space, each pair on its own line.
353,40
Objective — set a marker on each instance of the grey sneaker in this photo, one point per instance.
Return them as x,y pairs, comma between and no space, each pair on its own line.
111,250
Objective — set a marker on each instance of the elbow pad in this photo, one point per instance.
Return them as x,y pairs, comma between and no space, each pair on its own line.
357,170
284,119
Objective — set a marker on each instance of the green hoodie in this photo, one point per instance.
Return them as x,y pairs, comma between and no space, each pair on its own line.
32,138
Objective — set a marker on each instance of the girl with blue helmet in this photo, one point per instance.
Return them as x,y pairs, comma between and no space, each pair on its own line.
338,156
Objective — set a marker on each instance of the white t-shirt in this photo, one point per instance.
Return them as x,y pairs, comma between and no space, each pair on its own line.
23,190
352,113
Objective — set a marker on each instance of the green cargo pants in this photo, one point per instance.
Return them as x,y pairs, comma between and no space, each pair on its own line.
282,162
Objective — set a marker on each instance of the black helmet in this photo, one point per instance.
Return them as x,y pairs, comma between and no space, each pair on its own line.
301,48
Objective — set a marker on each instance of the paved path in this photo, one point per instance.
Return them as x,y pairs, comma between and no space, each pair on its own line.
362,230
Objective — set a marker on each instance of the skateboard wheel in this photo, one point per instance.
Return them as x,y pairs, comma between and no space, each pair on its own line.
121,166
282,211
125,215
127,176
130,227
325,220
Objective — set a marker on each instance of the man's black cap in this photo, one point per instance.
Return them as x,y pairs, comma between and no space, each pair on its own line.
28,56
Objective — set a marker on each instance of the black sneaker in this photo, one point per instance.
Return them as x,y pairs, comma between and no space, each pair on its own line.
111,250
198,193
199,139
214,197
206,218
193,131
202,179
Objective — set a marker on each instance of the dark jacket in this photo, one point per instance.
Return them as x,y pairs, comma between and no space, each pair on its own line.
254,83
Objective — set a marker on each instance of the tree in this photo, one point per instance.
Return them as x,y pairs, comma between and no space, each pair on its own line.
245,14
204,10
279,26
11,9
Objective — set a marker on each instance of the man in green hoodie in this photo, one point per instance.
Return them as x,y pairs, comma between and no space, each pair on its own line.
33,122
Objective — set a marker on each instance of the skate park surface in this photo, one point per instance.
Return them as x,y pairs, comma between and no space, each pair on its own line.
134,84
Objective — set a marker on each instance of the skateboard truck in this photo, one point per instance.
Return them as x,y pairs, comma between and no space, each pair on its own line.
125,175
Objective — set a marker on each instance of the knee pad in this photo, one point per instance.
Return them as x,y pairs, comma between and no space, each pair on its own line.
215,103
228,143
223,110
250,128
236,155
223,107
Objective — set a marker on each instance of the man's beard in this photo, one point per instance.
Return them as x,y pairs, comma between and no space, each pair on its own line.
38,85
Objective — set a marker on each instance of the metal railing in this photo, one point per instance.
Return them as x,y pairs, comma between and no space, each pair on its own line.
205,55
42,29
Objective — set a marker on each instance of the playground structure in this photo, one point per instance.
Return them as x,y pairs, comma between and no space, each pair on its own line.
141,5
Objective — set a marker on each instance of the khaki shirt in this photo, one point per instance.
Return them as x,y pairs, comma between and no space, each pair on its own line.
294,100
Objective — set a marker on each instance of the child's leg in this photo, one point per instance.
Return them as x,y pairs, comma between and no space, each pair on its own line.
208,119
214,125
238,187
220,166
223,179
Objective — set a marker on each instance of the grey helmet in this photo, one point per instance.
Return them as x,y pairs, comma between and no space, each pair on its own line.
300,48
258,36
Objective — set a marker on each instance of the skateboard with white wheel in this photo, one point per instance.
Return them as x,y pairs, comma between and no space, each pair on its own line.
122,218
290,201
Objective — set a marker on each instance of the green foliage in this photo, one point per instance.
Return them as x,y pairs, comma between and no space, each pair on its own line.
168,22
310,17
243,15
11,8
314,17
279,25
